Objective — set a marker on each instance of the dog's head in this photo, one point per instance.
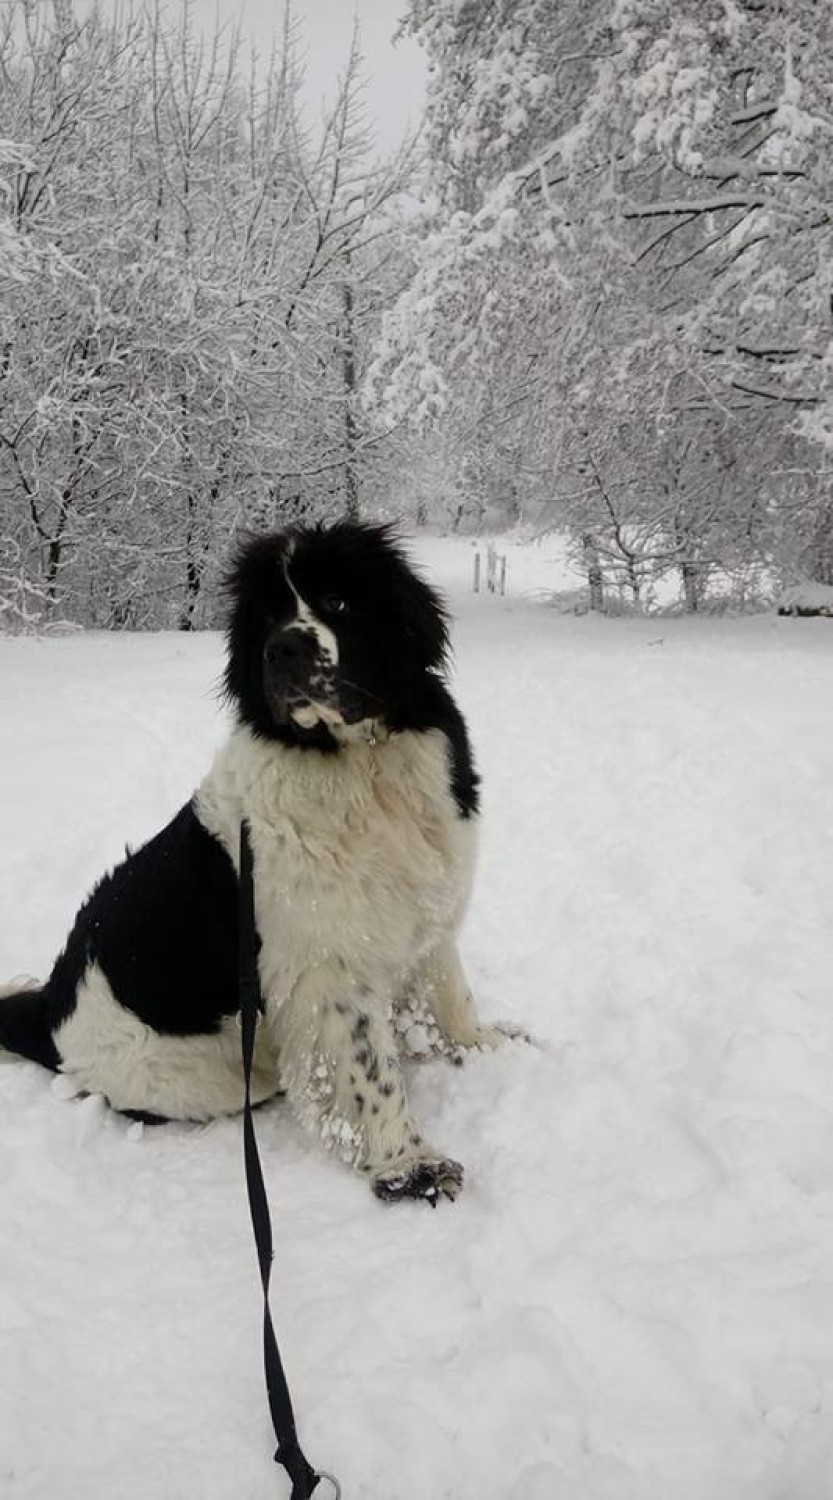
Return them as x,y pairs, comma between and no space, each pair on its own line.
330,627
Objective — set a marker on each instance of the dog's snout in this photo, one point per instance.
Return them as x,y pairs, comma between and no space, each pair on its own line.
290,651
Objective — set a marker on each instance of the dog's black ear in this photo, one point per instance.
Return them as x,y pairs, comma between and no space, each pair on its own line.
256,564
250,586
375,550
424,617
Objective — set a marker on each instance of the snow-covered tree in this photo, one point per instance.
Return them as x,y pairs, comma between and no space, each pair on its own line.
627,246
195,287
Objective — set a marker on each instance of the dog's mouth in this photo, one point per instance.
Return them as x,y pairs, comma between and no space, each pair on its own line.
328,703
307,712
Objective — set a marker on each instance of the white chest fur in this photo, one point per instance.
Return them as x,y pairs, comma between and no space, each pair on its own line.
361,858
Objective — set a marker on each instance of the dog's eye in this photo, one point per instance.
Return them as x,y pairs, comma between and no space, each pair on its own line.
333,604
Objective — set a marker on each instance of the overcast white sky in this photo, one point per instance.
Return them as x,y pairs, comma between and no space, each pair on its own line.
396,80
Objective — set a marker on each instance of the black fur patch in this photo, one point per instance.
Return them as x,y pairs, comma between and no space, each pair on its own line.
162,926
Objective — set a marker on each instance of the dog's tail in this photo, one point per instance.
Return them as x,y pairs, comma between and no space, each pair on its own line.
25,1025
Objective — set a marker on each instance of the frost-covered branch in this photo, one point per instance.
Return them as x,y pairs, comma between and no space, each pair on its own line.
691,206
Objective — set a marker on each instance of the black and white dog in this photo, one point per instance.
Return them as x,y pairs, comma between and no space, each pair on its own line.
351,763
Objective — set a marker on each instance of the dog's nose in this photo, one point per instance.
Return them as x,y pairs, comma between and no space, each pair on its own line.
290,651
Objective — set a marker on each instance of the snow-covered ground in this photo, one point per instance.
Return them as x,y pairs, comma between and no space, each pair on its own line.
633,1298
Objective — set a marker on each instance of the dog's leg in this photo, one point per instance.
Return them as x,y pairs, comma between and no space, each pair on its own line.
340,1067
437,1015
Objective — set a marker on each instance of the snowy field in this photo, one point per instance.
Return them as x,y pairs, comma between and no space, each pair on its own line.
633,1298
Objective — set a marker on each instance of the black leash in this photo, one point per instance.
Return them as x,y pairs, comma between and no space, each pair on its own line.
289,1453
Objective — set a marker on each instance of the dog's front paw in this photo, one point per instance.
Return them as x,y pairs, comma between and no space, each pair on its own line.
487,1038
429,1180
